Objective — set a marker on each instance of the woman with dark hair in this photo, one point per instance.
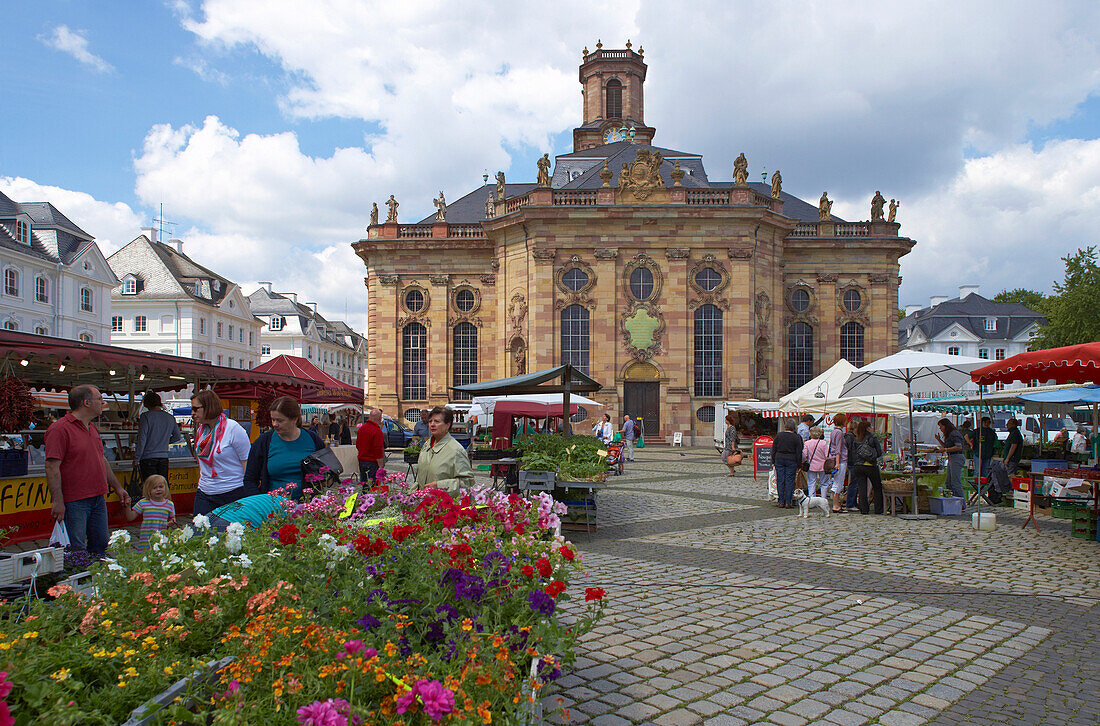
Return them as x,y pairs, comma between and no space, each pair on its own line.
731,457
866,451
786,458
443,463
276,457
221,446
952,444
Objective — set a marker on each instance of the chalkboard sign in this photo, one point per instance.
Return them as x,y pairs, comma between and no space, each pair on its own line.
762,455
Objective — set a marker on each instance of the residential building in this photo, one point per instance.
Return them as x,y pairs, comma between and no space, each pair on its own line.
674,289
295,328
55,279
970,325
166,302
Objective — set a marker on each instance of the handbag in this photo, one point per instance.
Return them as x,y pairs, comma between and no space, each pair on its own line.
320,459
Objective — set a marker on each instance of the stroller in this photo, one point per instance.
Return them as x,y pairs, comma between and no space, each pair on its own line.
615,457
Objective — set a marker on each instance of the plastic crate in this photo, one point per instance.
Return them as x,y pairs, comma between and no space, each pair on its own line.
1061,509
1083,529
81,582
946,505
1038,466
19,566
536,480
1021,483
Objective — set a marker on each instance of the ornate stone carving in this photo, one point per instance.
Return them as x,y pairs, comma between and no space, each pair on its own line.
544,254
406,319
715,294
677,253
387,279
490,208
518,356
393,205
405,295
763,306
790,294
466,288
740,253
677,175
606,253
575,262
517,311
826,277
741,171
777,184
642,330
439,280
544,171
374,213
643,260
440,203
605,174
824,207
879,278
500,186
877,203
643,176
894,204
488,279
495,264
708,299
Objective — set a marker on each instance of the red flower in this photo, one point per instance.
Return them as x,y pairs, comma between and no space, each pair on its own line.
288,534
555,588
593,593
544,567
521,528
528,571
402,532
567,553
364,545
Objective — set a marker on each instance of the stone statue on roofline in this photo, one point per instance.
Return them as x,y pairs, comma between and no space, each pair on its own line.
544,171
490,208
393,205
500,186
741,171
894,204
877,203
777,184
440,207
374,213
824,207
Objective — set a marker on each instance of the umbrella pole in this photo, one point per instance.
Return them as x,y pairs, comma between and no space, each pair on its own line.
912,442
978,473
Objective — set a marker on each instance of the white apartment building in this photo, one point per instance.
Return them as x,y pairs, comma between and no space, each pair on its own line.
55,279
166,302
294,328
969,325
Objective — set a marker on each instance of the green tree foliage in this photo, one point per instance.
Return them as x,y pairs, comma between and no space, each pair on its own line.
1027,298
1073,311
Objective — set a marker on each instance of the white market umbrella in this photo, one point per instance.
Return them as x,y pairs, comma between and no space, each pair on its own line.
900,372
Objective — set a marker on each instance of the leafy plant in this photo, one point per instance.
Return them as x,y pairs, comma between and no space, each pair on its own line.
572,458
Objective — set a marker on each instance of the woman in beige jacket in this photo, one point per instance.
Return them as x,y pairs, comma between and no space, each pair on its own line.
443,463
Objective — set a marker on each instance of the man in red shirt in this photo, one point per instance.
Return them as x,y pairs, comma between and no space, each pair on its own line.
77,473
372,446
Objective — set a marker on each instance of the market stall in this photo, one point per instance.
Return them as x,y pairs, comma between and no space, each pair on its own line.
54,365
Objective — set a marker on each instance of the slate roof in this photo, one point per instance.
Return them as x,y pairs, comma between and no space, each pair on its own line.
970,313
272,303
54,237
470,209
197,281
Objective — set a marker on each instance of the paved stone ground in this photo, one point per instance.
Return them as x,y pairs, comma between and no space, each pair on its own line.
725,610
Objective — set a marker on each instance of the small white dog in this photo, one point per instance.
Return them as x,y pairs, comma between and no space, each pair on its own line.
805,504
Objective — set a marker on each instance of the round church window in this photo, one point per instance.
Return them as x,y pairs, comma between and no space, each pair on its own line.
641,283
800,301
705,414
708,278
414,300
464,300
575,279
852,300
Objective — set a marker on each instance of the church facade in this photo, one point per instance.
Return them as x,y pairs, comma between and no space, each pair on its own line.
673,290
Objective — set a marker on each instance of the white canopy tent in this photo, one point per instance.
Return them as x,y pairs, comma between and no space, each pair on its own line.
822,395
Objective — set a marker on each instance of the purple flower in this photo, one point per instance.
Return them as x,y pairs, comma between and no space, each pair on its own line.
541,602
450,610
368,622
466,587
376,593
495,560
548,673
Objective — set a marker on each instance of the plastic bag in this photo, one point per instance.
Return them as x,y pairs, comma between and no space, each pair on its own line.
773,487
60,535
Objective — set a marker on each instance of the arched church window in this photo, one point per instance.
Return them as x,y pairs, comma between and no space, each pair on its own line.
851,343
708,351
464,351
614,99
414,362
574,337
800,354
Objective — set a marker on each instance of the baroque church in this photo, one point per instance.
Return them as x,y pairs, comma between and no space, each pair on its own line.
673,289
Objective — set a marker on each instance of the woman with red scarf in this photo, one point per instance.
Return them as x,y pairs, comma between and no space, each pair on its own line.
222,446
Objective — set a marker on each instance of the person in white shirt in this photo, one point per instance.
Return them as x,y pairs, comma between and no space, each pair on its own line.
604,429
1079,446
222,446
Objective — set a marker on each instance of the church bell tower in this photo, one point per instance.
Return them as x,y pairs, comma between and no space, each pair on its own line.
611,89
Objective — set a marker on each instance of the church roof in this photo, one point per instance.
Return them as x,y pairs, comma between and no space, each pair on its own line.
470,209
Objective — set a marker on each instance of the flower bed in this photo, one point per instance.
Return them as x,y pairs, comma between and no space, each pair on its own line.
385,607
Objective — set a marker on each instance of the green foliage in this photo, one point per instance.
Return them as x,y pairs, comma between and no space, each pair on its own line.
1028,298
1073,312
572,458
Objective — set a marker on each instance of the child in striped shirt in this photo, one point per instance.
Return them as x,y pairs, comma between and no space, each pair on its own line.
156,509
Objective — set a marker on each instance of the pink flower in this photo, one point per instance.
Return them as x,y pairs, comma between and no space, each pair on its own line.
437,700
333,712
5,684
5,715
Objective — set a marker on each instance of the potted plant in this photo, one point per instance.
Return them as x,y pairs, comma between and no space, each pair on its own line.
411,453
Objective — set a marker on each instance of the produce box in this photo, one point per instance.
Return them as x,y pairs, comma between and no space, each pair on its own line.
946,505
19,566
1038,466
536,480
1062,509
1021,483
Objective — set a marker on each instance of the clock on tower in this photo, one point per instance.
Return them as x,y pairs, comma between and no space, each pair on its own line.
612,135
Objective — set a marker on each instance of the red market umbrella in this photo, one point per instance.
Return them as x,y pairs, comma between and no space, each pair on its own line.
1069,364
329,389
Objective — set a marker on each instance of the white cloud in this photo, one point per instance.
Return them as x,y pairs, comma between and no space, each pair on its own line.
75,44
113,224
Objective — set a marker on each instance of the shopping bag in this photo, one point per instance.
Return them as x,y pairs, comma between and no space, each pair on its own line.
800,480
773,487
60,536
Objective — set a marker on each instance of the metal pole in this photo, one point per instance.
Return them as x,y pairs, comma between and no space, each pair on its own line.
912,440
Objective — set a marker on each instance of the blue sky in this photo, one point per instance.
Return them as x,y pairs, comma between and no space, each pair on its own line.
267,130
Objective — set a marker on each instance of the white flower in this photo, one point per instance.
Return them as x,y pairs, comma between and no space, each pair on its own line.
119,537
201,521
114,566
213,541
233,543
245,561
186,533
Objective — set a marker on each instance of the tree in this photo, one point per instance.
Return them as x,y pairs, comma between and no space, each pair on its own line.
1073,312
1028,298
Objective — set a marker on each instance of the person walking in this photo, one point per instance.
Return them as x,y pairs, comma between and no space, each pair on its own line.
733,438
786,457
952,444
157,430
814,453
984,443
222,448
838,450
851,496
371,447
630,433
275,459
345,430
443,462
77,473
866,451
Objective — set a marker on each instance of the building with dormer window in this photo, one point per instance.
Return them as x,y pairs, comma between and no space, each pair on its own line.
56,280
165,302
294,328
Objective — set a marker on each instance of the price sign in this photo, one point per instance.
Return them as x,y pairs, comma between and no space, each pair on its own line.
762,455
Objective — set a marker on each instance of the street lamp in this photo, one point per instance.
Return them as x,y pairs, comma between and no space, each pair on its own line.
825,396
